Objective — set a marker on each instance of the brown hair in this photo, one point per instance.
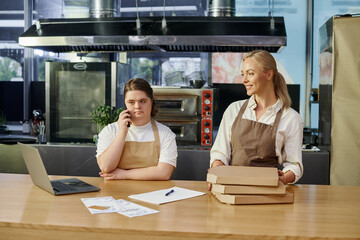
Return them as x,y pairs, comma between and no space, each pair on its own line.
267,61
142,85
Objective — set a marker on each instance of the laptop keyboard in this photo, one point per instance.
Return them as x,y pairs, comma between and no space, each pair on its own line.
61,187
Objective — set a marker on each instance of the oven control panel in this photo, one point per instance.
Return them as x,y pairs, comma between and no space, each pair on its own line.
206,117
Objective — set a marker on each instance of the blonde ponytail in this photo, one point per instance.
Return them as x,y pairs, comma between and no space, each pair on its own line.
281,90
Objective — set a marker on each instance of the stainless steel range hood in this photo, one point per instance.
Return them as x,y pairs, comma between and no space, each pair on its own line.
182,34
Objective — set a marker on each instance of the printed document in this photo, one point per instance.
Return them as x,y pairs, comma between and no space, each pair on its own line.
131,209
110,205
101,205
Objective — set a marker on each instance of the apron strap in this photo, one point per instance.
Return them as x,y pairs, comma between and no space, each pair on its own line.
156,135
277,120
241,112
243,107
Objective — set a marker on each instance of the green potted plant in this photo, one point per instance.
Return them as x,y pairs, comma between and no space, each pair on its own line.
104,115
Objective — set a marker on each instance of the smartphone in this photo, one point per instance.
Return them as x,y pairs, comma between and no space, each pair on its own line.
128,124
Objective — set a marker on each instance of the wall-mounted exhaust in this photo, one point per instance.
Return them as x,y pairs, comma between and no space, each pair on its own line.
103,32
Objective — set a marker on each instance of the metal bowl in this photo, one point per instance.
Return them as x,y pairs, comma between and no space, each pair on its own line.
197,83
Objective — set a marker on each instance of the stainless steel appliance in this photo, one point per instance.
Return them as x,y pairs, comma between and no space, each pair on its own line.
181,34
188,112
74,90
339,96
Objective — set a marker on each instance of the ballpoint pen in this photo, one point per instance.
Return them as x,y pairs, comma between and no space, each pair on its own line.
170,192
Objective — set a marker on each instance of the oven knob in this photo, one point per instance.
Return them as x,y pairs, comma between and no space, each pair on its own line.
206,124
206,136
206,130
207,95
207,101
207,108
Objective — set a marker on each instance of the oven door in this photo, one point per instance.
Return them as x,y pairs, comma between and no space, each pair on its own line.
186,131
180,106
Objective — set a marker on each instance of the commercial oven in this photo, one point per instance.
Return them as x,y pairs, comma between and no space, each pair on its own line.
74,90
188,112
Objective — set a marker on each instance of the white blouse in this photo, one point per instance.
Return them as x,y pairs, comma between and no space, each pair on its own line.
289,136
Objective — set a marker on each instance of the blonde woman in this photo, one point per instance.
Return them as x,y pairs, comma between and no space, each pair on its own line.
262,130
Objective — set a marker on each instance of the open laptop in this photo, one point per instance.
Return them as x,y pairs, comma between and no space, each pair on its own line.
40,177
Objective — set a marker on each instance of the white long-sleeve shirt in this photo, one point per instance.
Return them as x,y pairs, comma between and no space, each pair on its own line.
289,135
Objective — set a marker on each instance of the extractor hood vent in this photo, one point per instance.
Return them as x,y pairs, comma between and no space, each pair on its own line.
182,34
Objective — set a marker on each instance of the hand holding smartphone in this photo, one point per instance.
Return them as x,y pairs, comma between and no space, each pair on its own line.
128,123
124,116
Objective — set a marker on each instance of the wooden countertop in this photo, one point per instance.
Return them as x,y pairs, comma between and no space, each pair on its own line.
28,212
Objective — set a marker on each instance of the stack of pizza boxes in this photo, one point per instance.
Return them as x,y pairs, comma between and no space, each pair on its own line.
248,185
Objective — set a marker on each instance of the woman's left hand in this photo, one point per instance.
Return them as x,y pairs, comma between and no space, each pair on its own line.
117,174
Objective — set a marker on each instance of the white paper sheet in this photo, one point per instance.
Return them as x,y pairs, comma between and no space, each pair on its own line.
110,205
131,209
159,197
101,205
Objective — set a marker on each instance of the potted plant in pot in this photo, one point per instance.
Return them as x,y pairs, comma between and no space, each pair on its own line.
104,115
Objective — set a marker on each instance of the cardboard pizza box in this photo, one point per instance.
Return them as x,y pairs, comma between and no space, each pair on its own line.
254,199
244,175
242,189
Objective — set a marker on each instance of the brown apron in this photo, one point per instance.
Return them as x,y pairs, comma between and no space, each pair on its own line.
141,154
252,142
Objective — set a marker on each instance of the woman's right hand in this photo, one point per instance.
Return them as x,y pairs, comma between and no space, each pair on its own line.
124,121
214,164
